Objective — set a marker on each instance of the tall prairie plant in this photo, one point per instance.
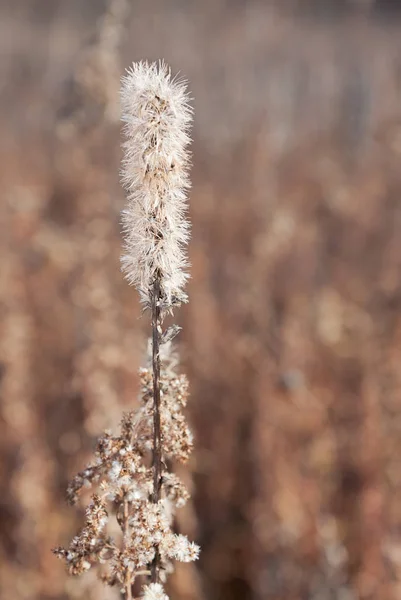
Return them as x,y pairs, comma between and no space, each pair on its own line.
135,492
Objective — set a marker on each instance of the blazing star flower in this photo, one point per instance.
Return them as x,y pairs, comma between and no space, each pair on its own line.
155,174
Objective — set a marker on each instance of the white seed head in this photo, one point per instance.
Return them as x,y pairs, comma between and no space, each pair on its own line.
179,547
156,117
154,591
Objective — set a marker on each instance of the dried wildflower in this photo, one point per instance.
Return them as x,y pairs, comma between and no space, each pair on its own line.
174,489
125,486
143,498
177,437
87,547
157,118
154,591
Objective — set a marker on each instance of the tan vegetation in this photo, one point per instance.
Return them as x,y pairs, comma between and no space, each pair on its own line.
292,333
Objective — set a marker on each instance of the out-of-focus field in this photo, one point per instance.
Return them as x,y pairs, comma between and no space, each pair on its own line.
292,337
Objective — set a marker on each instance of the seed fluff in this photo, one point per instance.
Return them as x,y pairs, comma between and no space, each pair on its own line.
156,117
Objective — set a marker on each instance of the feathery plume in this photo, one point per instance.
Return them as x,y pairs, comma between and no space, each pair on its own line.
157,118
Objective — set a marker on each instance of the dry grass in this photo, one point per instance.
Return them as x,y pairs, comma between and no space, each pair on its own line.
293,330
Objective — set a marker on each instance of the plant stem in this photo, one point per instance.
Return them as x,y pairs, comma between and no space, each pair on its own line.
127,586
157,449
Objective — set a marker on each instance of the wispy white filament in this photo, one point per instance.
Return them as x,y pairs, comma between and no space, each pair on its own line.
156,119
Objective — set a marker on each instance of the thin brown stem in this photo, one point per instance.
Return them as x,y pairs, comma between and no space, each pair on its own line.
157,445
125,528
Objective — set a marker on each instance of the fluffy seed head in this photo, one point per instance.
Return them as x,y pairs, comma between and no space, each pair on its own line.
156,119
154,591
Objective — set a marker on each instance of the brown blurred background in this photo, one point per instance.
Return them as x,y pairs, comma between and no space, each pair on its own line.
292,337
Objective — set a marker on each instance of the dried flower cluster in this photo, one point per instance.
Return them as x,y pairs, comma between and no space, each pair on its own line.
131,470
124,484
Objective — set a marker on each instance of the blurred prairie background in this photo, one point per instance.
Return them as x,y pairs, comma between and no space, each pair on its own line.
292,337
